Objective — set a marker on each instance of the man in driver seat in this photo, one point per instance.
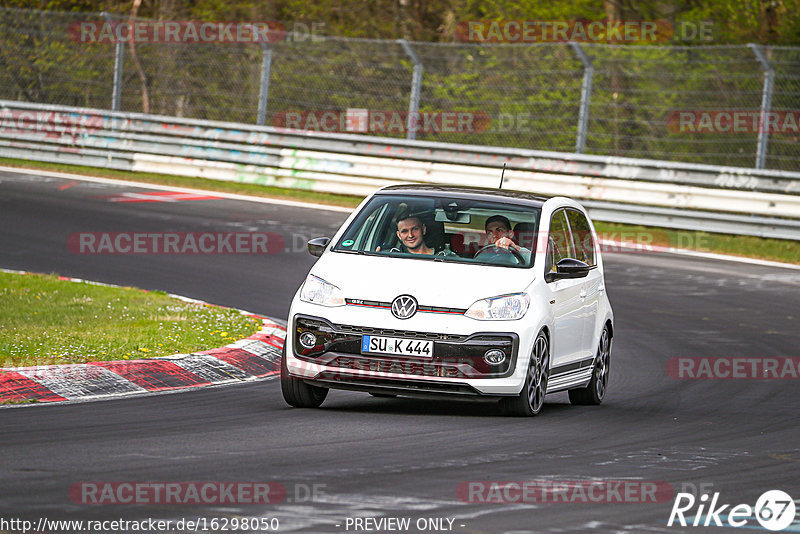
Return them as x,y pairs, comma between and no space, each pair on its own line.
500,234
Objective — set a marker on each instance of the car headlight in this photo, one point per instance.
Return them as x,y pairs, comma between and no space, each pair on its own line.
317,291
502,308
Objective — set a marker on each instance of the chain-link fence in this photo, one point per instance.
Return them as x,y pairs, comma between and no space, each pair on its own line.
696,103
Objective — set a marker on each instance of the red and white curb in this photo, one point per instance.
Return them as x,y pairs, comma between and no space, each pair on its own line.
252,358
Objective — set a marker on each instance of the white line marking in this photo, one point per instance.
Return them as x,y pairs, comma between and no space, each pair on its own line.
696,254
146,185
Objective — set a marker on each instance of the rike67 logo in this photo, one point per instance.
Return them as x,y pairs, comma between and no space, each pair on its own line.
774,510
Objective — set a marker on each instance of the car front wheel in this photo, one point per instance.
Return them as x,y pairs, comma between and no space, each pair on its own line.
296,392
593,393
530,400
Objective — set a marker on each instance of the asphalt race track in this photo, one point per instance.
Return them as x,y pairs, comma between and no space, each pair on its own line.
366,457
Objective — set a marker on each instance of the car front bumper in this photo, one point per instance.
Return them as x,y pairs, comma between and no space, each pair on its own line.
456,368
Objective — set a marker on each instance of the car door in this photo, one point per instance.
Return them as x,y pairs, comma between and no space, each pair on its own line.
591,285
565,298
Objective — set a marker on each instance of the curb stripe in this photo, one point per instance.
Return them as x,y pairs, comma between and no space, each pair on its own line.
16,387
209,368
77,381
247,361
154,375
259,348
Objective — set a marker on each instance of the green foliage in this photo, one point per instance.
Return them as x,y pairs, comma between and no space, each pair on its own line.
734,21
530,91
44,320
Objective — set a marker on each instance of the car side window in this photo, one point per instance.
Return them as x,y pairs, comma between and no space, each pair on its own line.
559,244
582,237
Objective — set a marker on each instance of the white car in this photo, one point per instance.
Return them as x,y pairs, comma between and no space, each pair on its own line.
435,290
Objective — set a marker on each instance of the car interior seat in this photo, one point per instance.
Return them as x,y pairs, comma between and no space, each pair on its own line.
524,233
434,236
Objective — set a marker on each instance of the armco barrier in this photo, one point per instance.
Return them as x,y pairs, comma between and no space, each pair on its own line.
703,197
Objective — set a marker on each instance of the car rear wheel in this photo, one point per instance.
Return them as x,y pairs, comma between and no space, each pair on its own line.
296,392
530,400
593,393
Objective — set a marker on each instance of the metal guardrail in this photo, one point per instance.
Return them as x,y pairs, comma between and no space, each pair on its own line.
668,194
680,99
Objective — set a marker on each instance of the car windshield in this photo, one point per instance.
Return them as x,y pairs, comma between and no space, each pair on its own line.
444,229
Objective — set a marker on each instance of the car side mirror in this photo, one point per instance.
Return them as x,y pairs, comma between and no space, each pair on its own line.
317,245
568,268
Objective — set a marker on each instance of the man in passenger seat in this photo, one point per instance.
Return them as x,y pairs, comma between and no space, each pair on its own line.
411,232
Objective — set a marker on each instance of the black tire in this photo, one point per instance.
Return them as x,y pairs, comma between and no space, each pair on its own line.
594,392
296,392
530,400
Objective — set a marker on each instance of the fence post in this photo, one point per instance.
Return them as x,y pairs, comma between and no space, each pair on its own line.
412,122
586,97
766,104
119,57
263,94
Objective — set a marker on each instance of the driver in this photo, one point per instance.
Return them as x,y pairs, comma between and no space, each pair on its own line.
500,234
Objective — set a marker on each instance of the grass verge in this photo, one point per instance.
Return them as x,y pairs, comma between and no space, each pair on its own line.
781,250
44,320
737,245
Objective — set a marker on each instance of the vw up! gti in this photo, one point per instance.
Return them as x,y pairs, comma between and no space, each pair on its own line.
473,293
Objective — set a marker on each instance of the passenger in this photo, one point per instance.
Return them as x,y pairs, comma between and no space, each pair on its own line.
500,234
411,233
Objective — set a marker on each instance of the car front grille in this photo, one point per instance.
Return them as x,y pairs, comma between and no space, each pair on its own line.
388,332
405,367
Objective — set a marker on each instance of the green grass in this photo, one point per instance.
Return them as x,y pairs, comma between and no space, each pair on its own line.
18,401
44,320
748,246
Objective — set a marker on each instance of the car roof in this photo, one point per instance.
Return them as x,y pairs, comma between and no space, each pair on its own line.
473,193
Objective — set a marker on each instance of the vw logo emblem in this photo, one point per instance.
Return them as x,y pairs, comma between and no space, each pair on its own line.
404,306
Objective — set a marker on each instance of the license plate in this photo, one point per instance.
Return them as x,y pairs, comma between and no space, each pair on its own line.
396,346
